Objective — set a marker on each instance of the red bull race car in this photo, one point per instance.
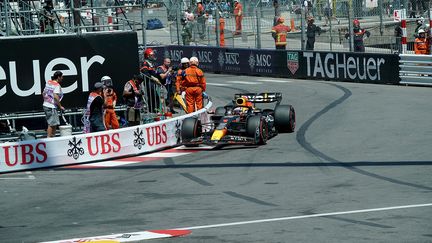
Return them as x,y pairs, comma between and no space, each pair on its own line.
241,122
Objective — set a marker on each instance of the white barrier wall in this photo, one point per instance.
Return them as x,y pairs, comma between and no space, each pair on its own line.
92,147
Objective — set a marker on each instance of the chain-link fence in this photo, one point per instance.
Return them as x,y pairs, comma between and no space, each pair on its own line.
162,22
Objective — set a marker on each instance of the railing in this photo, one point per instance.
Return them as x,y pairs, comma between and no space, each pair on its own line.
416,69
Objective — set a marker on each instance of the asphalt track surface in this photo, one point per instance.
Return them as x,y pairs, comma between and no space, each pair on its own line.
356,147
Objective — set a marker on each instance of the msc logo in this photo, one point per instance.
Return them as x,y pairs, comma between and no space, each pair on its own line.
229,58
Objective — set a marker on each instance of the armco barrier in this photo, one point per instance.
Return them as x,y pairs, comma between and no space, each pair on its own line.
416,69
93,147
335,66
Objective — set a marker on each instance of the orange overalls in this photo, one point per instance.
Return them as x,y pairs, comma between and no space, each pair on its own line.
109,105
194,83
280,32
221,31
238,13
421,46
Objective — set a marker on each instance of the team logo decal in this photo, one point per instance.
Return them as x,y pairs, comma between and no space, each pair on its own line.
252,61
178,131
221,59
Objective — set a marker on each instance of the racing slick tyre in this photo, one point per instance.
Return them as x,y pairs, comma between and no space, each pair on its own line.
285,120
191,128
257,128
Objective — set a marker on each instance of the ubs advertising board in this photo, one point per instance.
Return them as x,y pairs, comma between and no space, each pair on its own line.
338,66
27,63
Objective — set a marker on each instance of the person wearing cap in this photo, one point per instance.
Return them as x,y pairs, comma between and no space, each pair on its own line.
358,36
94,114
194,84
52,96
110,100
133,96
200,16
421,43
165,74
184,62
151,81
238,14
311,32
279,34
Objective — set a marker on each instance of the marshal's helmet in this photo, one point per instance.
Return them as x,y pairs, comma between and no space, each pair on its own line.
149,54
356,22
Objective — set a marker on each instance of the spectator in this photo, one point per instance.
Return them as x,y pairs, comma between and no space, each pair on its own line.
133,96
194,83
151,82
186,32
110,100
47,18
421,44
279,34
238,13
200,13
358,35
221,30
165,73
398,35
93,116
311,32
52,95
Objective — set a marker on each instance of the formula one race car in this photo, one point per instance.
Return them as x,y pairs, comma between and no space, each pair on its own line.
240,122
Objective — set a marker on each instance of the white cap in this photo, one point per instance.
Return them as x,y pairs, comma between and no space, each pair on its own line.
421,31
193,59
104,78
184,60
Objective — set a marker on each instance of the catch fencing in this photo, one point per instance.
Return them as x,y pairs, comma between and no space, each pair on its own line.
335,18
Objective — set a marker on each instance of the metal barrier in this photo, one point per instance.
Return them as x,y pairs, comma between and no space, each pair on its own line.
415,69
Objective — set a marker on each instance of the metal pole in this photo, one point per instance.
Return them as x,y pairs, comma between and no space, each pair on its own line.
143,26
7,19
73,15
302,22
217,28
177,21
350,27
330,29
258,39
380,6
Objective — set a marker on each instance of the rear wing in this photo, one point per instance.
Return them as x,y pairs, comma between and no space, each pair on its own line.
261,97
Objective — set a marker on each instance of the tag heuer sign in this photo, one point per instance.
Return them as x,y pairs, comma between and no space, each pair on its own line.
292,62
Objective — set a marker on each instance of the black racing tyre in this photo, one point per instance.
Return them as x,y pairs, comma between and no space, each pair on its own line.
191,128
257,128
285,119
220,111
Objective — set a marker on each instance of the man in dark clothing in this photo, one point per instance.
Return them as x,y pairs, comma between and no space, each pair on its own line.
47,18
398,34
151,82
311,32
358,36
94,111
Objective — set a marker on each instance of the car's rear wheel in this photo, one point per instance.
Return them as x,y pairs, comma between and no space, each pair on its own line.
191,128
257,128
285,120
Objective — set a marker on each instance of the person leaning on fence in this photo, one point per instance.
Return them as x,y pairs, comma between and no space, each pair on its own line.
186,32
94,113
47,18
358,35
311,32
110,100
398,35
279,34
151,82
52,96
133,96
238,14
200,16
194,83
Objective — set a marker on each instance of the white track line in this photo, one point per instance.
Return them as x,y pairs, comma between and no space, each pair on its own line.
274,81
217,84
308,216
111,163
28,173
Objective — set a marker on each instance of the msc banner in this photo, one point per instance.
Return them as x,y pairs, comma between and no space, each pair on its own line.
27,63
340,66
